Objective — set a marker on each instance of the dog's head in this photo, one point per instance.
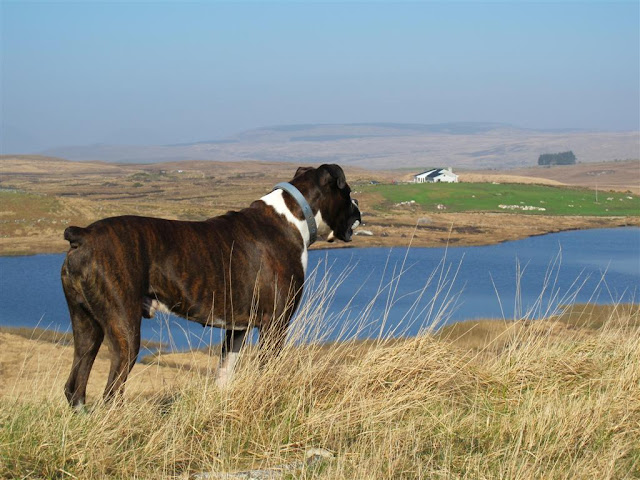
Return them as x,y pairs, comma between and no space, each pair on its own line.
328,192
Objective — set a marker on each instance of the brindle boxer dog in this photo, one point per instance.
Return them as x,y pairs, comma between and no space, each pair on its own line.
236,271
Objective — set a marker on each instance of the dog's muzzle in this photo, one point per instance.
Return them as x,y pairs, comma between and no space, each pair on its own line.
353,221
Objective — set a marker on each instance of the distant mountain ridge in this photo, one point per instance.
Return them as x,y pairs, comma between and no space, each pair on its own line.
380,145
362,130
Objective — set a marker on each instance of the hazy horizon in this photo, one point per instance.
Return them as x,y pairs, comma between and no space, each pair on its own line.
165,73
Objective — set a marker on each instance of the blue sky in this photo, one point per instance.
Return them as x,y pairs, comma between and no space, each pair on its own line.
175,72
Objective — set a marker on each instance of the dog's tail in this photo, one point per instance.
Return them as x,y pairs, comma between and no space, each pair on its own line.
75,236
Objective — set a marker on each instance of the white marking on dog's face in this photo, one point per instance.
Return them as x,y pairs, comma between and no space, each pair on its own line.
323,228
356,224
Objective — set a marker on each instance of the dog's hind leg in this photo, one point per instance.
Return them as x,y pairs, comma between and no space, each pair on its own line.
234,339
123,335
87,338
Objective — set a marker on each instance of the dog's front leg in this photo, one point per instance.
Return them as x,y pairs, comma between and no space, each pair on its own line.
234,339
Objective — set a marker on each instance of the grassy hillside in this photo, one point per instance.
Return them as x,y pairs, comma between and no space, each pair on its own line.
553,399
487,197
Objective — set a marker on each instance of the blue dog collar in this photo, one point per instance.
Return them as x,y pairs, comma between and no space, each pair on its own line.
304,205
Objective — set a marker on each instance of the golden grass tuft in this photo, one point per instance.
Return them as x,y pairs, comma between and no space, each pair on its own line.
556,398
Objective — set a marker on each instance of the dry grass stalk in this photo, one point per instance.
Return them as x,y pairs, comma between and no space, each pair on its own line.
542,399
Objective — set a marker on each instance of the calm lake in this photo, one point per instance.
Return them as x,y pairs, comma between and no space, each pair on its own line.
399,291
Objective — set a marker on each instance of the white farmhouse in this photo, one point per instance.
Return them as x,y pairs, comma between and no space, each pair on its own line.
436,175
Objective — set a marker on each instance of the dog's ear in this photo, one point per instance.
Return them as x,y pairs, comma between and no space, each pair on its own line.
302,170
332,173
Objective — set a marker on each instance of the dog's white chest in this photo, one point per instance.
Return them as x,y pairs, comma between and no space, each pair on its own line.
275,200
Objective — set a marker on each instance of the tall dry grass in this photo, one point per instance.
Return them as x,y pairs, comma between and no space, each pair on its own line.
556,398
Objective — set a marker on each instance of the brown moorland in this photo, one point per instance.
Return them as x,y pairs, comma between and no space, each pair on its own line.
40,196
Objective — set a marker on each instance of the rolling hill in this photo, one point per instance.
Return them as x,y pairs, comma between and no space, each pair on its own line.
380,146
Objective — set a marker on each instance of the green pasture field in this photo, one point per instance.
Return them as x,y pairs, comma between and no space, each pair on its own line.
486,197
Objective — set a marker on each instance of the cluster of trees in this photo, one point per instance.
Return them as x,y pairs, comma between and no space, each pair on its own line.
562,158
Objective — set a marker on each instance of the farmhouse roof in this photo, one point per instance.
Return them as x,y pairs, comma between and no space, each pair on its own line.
435,172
